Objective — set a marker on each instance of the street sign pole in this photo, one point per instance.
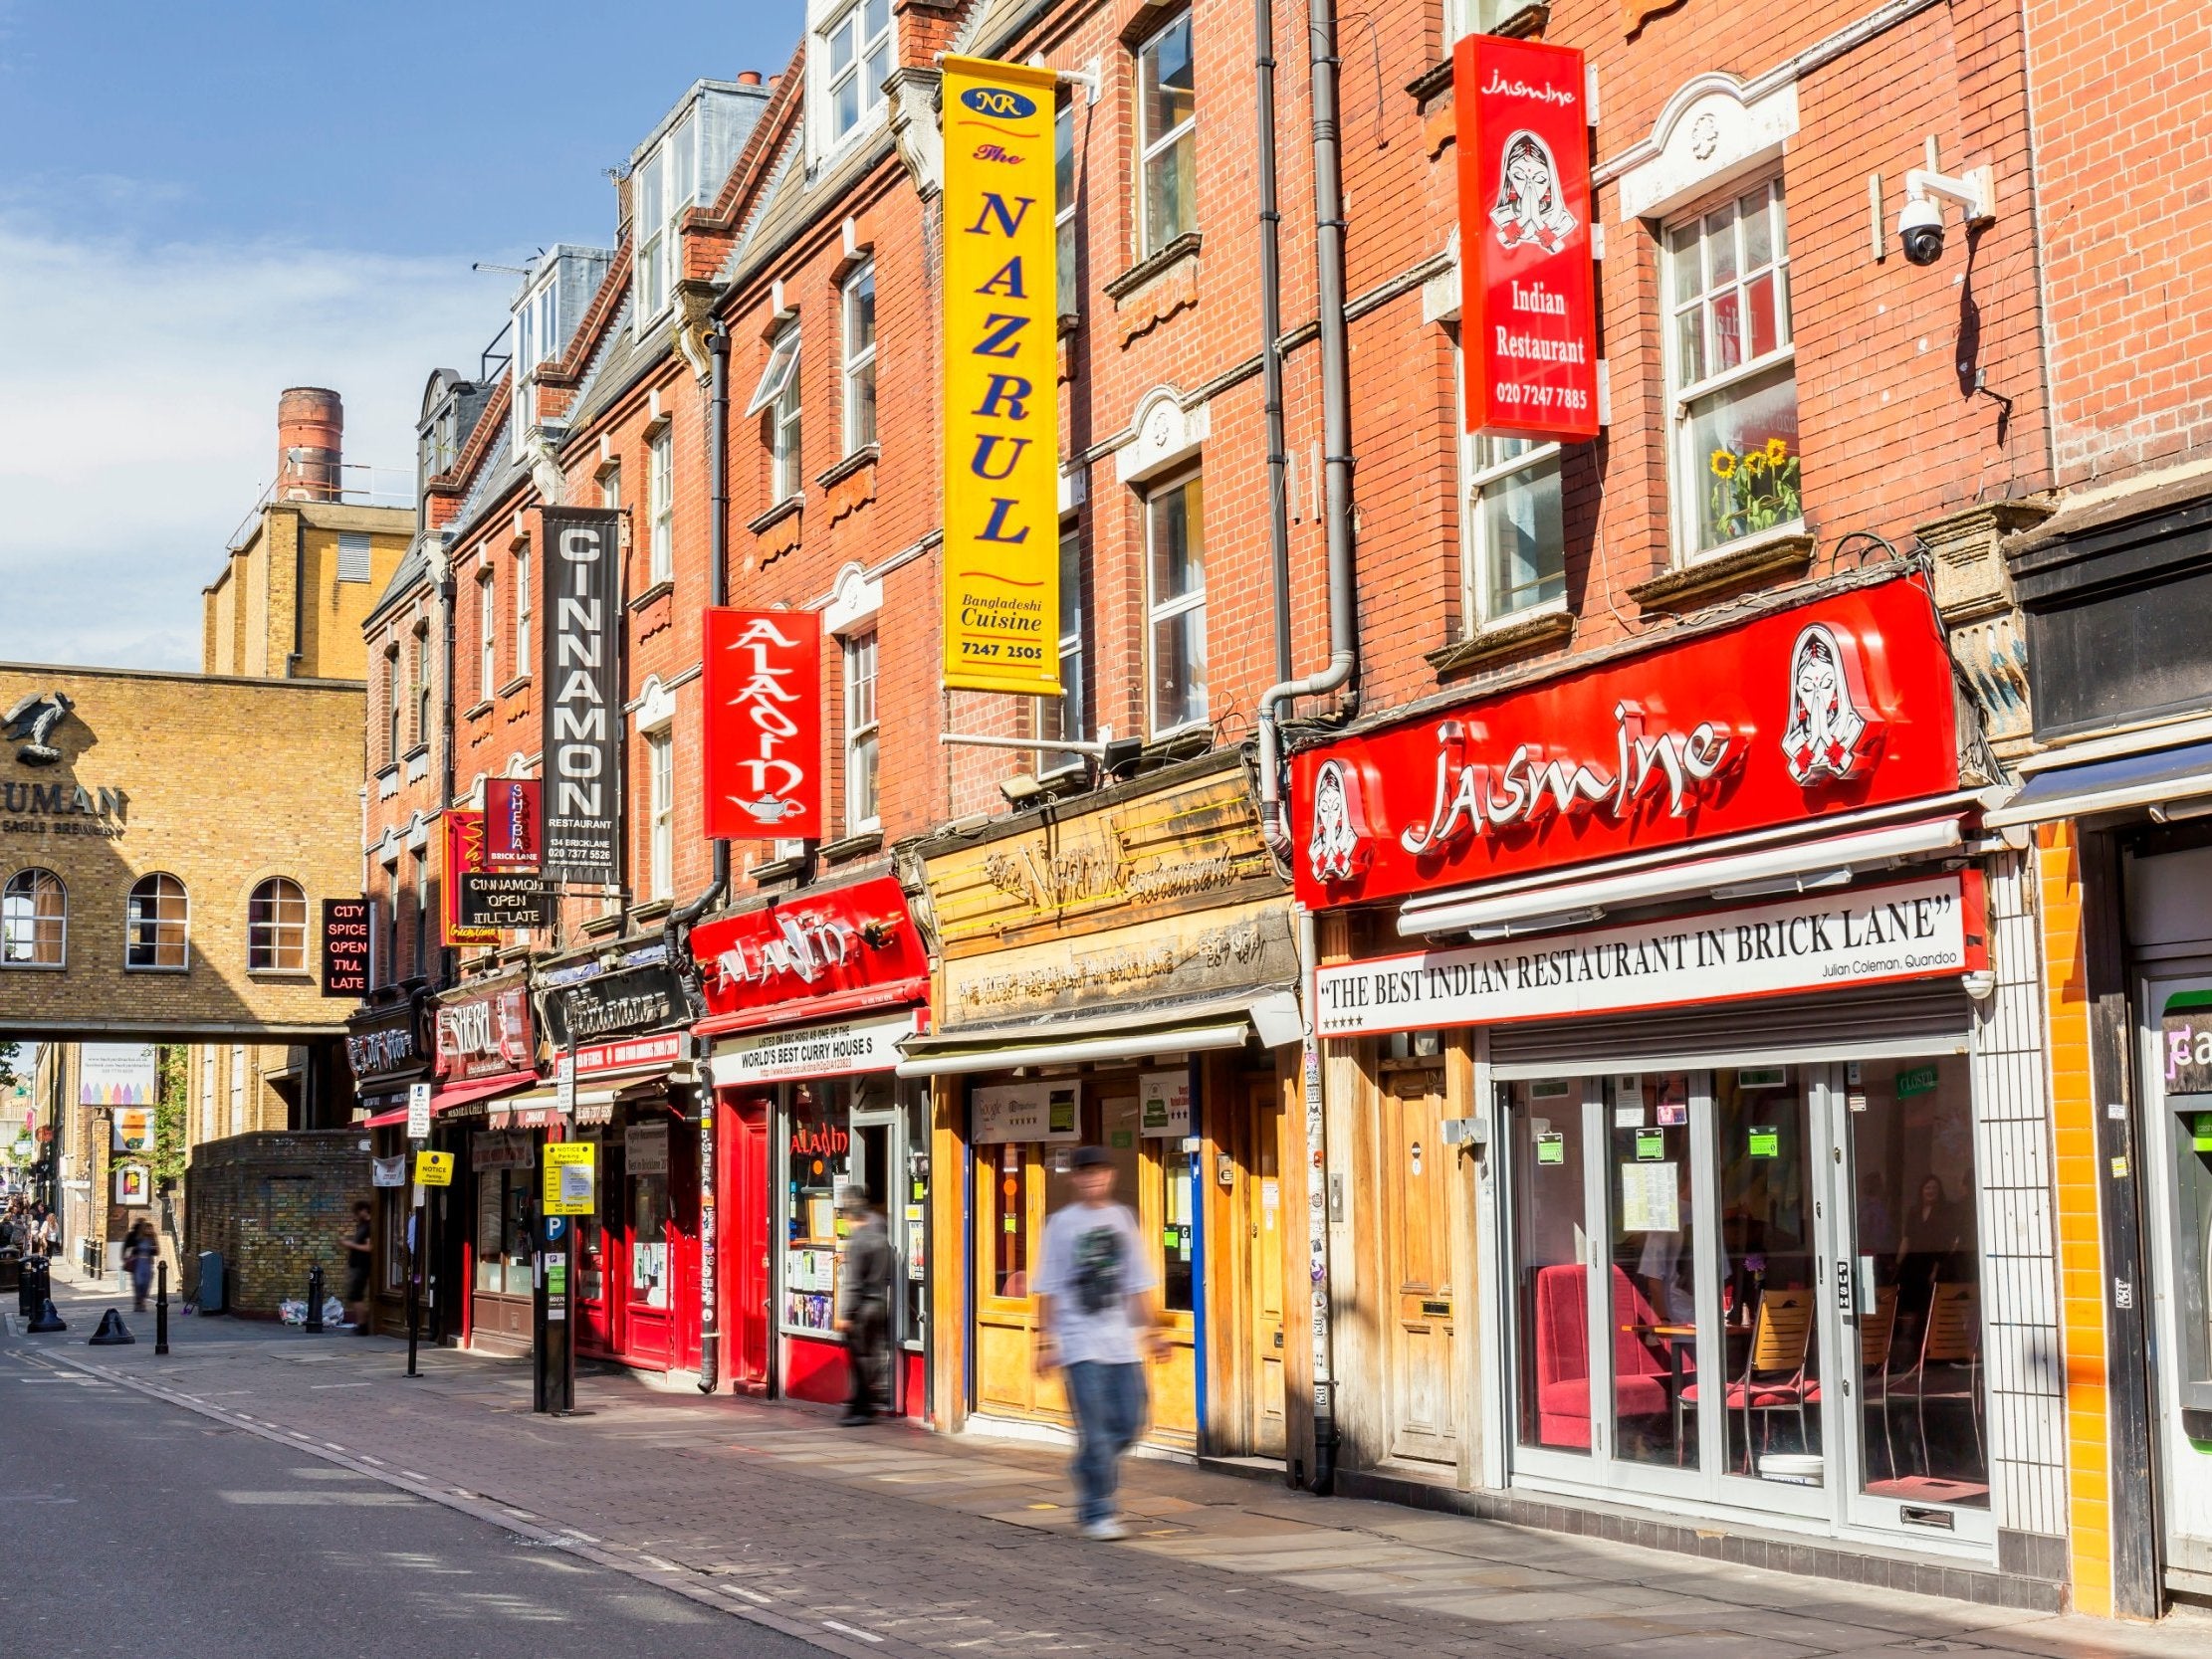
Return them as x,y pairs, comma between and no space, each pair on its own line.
418,1136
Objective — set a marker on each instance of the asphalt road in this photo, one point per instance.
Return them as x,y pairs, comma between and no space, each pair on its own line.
127,1527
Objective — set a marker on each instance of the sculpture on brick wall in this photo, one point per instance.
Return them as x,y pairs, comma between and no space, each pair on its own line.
32,722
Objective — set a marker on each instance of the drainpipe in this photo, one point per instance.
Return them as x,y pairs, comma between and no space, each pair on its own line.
676,931
1336,429
442,566
1271,327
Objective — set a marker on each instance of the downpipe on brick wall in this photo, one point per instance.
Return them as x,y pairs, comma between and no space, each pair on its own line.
1336,431
1271,326
676,931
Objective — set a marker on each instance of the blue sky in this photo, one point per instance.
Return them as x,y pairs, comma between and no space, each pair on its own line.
200,205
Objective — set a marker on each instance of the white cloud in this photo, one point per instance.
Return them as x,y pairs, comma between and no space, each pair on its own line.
137,413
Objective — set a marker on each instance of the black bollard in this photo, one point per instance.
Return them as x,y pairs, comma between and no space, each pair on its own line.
315,1297
161,1307
113,1332
48,1319
27,1288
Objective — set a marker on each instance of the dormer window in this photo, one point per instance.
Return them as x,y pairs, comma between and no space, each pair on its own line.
667,183
856,58
537,339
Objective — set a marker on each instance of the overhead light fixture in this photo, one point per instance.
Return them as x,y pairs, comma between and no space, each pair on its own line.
1496,930
2174,812
1785,884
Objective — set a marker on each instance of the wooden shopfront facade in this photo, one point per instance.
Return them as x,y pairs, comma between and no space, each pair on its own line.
1120,974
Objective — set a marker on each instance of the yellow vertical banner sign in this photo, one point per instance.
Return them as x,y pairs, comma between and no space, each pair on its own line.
1001,380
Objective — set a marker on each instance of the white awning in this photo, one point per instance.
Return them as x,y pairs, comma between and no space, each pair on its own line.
1796,867
1272,1015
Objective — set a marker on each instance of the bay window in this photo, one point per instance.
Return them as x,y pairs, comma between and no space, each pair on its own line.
1731,374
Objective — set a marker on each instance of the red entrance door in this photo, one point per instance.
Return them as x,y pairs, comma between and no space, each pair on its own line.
744,1268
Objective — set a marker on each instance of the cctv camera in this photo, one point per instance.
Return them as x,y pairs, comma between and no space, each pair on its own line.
1920,229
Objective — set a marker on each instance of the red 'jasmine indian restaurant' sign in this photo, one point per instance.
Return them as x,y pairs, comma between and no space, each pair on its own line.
1526,293
1799,714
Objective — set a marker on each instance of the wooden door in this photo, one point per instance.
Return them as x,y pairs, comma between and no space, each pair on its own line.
1266,1232
1416,1221
1009,1209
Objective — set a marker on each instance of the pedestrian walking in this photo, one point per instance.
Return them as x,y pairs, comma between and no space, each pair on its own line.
50,1232
360,1255
1097,1327
140,1250
864,1305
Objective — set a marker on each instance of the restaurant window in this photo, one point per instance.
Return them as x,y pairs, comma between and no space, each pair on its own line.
861,805
660,506
154,924
660,759
1062,717
649,1220
1064,184
860,359
33,920
1167,111
818,1160
277,928
856,60
1174,532
504,1203
1732,373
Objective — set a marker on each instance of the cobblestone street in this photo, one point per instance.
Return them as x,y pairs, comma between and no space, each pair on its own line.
893,1541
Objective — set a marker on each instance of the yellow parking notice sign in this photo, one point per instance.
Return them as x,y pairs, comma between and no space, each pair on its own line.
569,1178
434,1169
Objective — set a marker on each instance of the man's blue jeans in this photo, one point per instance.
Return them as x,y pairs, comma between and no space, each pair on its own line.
1109,1402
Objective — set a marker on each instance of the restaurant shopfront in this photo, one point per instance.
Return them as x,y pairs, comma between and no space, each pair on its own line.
808,998
388,1048
1121,975
625,1031
487,1053
1682,1076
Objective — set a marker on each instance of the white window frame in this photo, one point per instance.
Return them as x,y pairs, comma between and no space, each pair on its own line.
536,329
395,710
667,182
1069,714
779,393
660,506
523,603
870,103
279,933
422,686
1685,472
863,723
8,923
660,783
486,635
1068,301
237,1081
1157,611
1150,145
860,360
1476,478
610,486
129,938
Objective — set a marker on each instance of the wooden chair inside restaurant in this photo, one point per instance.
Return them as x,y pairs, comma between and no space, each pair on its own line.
1773,1378
1877,1328
1948,1369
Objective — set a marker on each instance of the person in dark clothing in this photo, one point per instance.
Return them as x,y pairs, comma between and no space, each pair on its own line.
864,1272
140,1249
359,1254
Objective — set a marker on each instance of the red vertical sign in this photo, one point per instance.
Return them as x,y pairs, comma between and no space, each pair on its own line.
464,850
511,823
1527,294
763,682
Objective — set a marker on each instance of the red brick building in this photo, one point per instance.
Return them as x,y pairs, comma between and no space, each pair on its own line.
1827,1234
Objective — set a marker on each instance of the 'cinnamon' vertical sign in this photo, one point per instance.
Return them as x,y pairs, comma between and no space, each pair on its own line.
1527,292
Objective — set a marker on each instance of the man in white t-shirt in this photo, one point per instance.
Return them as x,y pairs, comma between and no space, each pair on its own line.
1097,1326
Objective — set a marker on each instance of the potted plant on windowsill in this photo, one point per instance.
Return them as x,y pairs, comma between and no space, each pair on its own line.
1754,490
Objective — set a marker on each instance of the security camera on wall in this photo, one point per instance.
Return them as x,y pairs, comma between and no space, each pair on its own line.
1920,222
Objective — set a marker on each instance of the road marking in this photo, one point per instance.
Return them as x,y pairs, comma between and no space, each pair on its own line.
749,1595
850,1630
342,1386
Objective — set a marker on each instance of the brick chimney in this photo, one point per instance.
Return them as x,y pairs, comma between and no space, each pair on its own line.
748,77
310,440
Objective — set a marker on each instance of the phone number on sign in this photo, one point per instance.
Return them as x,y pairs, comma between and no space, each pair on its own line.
1541,397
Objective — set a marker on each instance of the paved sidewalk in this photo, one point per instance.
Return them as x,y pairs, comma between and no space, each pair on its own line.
892,1541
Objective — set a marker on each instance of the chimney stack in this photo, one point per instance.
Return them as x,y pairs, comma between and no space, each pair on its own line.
310,440
748,77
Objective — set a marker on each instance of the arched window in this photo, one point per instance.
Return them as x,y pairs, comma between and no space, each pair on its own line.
277,928
155,934
33,920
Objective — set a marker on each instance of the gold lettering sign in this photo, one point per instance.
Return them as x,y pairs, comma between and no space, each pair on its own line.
1191,847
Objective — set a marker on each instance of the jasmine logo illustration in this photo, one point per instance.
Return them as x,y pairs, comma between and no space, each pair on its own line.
1528,207
1828,735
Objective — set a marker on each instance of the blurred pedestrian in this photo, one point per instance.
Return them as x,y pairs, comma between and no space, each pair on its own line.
865,1303
140,1250
1097,1328
359,1256
49,1231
